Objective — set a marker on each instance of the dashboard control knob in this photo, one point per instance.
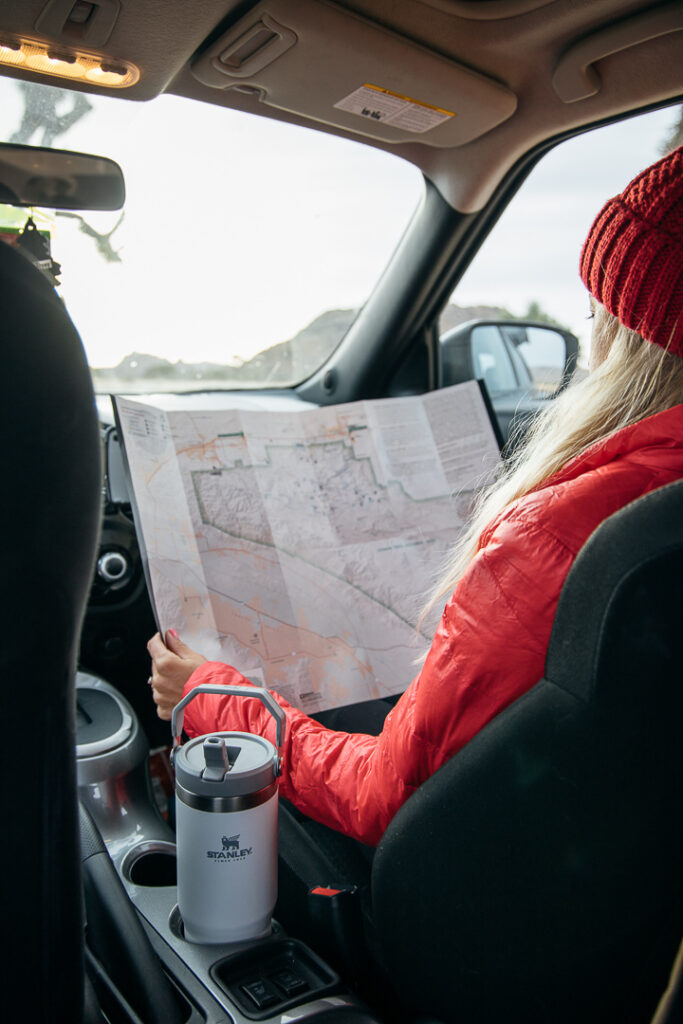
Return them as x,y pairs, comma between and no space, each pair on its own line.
112,566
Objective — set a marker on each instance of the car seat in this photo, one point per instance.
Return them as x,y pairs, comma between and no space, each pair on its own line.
50,513
536,877
53,860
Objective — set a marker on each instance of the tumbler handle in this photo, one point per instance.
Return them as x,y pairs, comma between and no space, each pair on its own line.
233,691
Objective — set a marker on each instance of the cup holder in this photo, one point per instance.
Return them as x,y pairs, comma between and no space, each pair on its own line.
151,864
177,928
175,923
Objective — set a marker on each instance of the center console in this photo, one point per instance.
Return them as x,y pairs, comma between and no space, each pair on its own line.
277,978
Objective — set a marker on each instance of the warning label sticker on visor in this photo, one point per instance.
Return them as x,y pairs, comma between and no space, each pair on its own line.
388,107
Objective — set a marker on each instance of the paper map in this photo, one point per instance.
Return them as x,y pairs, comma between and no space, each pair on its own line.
300,546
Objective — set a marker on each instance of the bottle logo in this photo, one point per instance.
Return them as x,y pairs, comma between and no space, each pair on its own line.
231,850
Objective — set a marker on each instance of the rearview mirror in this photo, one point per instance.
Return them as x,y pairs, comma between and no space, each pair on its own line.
58,179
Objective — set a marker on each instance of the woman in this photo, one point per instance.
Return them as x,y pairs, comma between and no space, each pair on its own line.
605,442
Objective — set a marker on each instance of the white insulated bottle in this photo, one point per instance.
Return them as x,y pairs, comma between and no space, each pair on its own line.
226,826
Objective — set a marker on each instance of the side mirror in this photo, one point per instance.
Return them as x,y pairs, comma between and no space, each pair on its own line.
509,356
550,354
59,180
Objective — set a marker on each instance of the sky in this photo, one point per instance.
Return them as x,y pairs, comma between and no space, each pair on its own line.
238,231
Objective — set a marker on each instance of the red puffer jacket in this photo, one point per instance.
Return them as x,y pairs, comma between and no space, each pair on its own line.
489,648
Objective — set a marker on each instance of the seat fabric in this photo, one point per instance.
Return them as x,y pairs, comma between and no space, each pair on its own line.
49,517
537,876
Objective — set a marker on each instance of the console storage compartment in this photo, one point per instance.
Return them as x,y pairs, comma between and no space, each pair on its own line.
266,980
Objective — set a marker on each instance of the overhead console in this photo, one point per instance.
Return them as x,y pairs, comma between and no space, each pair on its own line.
419,96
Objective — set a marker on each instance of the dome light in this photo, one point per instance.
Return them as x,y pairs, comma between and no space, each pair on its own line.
11,52
73,64
107,74
63,64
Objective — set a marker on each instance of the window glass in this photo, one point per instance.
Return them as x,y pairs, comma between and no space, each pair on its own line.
245,247
528,266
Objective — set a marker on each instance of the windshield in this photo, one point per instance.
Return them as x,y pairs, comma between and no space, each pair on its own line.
245,248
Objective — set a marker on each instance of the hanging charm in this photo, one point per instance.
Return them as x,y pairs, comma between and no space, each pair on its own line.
37,248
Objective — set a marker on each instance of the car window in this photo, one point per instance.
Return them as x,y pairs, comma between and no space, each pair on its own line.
528,265
245,248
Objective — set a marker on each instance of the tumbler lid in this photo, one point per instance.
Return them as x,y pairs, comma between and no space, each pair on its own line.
244,693
226,764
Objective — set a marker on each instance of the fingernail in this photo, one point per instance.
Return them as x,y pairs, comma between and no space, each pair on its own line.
173,633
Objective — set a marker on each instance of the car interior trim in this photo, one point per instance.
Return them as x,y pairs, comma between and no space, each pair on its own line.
575,77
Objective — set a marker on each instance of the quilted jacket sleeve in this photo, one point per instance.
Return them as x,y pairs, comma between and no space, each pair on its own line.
489,648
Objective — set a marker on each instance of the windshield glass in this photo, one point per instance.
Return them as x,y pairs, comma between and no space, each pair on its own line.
244,250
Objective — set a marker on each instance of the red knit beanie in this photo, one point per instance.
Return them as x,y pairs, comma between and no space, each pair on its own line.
632,260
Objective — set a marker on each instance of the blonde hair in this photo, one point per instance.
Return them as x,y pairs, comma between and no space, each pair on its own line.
635,379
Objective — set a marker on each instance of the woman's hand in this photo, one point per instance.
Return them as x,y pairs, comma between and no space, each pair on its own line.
173,663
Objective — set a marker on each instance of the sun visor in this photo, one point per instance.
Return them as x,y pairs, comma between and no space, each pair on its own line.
327,64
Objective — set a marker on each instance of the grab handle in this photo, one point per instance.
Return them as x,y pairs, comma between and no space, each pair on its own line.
232,691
